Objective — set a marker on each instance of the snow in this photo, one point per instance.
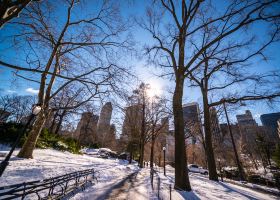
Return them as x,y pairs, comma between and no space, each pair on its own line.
90,151
50,163
203,188
116,179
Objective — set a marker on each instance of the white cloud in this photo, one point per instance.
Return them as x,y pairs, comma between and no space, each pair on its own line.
32,91
10,91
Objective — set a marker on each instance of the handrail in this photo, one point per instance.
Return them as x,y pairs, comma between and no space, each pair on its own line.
50,188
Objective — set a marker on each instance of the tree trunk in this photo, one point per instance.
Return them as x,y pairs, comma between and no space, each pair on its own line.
60,122
181,176
142,137
152,152
30,143
53,122
141,164
208,139
239,165
130,157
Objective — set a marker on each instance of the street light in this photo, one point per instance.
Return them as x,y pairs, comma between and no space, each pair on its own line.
35,111
164,161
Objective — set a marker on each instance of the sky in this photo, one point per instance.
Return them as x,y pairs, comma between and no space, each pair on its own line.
10,84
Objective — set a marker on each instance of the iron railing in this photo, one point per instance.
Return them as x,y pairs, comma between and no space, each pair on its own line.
60,187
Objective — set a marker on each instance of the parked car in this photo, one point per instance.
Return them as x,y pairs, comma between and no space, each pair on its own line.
123,156
103,155
107,152
197,169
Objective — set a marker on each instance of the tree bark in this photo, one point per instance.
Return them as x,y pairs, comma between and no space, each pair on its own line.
53,122
142,137
152,152
30,143
181,175
131,154
60,121
240,168
208,139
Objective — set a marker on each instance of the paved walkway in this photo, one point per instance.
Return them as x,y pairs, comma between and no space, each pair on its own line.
135,186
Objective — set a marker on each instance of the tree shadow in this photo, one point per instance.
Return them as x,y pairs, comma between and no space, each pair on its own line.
230,189
118,188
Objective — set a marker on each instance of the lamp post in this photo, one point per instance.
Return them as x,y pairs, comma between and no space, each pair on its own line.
164,161
241,174
35,111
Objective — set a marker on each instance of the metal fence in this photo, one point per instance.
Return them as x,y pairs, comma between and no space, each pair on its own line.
60,187
159,187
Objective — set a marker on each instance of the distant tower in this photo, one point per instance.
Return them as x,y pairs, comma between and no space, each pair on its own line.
86,132
132,122
246,119
165,125
103,126
270,122
192,120
215,127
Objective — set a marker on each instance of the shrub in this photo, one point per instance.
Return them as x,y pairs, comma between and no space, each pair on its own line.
276,155
10,131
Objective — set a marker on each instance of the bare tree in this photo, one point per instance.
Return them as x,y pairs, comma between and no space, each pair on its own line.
157,123
77,50
18,106
177,46
64,105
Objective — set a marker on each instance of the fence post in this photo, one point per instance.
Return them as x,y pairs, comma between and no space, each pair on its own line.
158,186
170,190
152,178
24,186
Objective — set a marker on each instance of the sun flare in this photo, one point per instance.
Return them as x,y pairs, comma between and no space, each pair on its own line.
155,89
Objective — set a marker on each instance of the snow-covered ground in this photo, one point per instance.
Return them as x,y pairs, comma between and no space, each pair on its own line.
203,188
49,163
117,179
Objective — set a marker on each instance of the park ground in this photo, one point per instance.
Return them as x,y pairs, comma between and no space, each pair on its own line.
116,179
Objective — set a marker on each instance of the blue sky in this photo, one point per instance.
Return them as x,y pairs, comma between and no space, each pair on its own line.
9,84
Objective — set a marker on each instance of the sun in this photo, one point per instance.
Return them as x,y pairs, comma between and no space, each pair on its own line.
155,89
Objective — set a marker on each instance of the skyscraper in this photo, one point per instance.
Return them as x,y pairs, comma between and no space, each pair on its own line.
191,115
103,126
246,119
132,122
270,121
191,112
86,132
215,127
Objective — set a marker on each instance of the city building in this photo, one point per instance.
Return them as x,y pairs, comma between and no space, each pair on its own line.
246,119
227,153
215,128
170,147
270,121
86,132
193,126
132,122
105,133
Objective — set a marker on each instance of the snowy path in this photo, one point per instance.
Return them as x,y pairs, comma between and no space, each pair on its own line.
134,186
